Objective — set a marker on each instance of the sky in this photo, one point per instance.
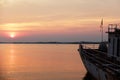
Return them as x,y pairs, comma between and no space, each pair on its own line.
56,20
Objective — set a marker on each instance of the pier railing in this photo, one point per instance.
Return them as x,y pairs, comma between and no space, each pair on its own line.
90,46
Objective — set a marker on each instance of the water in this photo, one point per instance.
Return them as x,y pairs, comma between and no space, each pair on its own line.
40,62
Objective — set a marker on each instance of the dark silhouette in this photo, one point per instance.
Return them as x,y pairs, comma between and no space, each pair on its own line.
88,77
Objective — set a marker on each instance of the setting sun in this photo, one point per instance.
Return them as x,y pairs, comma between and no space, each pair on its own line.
12,35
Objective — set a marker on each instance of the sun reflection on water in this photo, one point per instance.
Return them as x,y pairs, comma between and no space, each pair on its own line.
36,61
11,58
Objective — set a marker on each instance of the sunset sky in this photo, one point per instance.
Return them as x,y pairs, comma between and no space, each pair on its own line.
56,20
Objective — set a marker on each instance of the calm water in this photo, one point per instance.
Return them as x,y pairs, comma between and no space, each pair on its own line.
40,62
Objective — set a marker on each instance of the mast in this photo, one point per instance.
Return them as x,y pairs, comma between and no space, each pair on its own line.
101,29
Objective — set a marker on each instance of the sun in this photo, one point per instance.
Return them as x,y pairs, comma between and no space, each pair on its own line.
12,35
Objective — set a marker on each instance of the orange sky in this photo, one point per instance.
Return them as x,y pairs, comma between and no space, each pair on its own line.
56,20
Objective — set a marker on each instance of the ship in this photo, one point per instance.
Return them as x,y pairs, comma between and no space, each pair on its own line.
103,62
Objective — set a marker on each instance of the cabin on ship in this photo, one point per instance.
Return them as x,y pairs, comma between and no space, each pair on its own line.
114,41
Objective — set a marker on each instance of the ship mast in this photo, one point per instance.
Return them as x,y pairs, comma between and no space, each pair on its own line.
101,29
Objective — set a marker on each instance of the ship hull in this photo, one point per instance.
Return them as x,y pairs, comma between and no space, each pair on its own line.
96,71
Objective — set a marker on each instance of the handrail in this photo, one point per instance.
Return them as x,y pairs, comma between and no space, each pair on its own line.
94,49
103,60
86,47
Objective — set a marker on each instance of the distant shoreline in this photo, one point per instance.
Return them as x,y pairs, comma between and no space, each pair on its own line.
50,42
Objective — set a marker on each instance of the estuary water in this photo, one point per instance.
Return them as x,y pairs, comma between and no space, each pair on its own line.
40,62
